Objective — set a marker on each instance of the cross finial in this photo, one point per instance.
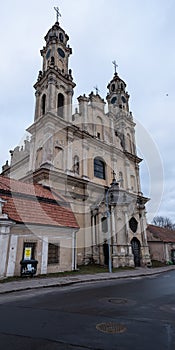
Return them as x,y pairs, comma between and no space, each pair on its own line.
97,90
115,66
58,14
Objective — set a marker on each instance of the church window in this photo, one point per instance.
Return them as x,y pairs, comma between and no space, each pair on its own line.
43,104
48,54
60,105
99,168
61,52
114,100
58,157
133,224
98,135
53,253
61,37
113,87
76,165
52,60
104,223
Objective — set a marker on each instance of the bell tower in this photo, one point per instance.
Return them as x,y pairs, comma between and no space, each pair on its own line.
54,86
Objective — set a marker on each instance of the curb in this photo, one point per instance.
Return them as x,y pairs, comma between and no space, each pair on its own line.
92,279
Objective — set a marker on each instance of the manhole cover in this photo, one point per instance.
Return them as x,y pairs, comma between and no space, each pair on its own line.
118,301
111,327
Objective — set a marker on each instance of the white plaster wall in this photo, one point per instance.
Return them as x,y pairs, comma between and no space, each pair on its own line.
3,253
44,255
12,255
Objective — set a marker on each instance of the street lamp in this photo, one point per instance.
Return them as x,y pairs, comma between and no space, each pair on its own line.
112,195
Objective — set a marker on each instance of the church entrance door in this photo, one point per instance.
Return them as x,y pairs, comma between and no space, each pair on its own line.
135,243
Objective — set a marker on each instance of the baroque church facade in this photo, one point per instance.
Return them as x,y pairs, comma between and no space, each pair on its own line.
84,153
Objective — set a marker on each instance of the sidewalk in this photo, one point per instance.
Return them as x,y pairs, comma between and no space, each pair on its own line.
35,282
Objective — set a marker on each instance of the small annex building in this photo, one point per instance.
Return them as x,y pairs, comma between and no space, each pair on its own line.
36,217
161,243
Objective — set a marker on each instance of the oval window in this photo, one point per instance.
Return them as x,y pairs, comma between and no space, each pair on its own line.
114,99
61,52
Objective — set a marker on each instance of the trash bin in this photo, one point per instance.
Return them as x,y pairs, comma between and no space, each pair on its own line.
28,267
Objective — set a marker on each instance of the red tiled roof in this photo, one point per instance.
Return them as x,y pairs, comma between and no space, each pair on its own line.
34,204
155,233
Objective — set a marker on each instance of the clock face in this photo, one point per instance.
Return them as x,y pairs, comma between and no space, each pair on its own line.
61,52
114,100
123,99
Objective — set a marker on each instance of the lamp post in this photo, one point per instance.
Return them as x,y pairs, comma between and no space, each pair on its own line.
112,195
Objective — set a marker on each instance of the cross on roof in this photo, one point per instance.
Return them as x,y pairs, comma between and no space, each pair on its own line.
97,90
58,14
115,66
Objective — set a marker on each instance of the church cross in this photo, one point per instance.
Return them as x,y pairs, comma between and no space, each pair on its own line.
115,66
58,14
97,90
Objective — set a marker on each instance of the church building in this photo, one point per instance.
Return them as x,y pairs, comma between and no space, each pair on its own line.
89,156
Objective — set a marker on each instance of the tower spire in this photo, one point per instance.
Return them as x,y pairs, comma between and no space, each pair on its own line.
58,14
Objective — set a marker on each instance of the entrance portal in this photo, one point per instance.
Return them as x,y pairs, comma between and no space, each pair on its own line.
135,243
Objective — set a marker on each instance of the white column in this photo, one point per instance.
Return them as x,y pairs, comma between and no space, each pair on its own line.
12,255
44,258
4,239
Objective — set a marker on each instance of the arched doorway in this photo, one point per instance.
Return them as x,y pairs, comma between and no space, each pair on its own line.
135,243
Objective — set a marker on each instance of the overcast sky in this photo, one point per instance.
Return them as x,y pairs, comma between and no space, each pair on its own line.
138,34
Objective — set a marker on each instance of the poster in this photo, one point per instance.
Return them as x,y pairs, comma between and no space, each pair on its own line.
27,253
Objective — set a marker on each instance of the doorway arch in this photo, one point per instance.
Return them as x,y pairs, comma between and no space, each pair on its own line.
135,243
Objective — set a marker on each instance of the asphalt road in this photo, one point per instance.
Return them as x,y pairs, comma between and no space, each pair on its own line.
130,314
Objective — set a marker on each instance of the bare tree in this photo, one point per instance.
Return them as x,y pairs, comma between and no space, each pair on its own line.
163,221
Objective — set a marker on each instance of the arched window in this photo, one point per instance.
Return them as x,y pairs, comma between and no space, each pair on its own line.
43,104
52,61
76,165
99,168
61,37
60,105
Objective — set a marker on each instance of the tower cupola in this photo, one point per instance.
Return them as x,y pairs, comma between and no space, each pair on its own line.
117,96
56,52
